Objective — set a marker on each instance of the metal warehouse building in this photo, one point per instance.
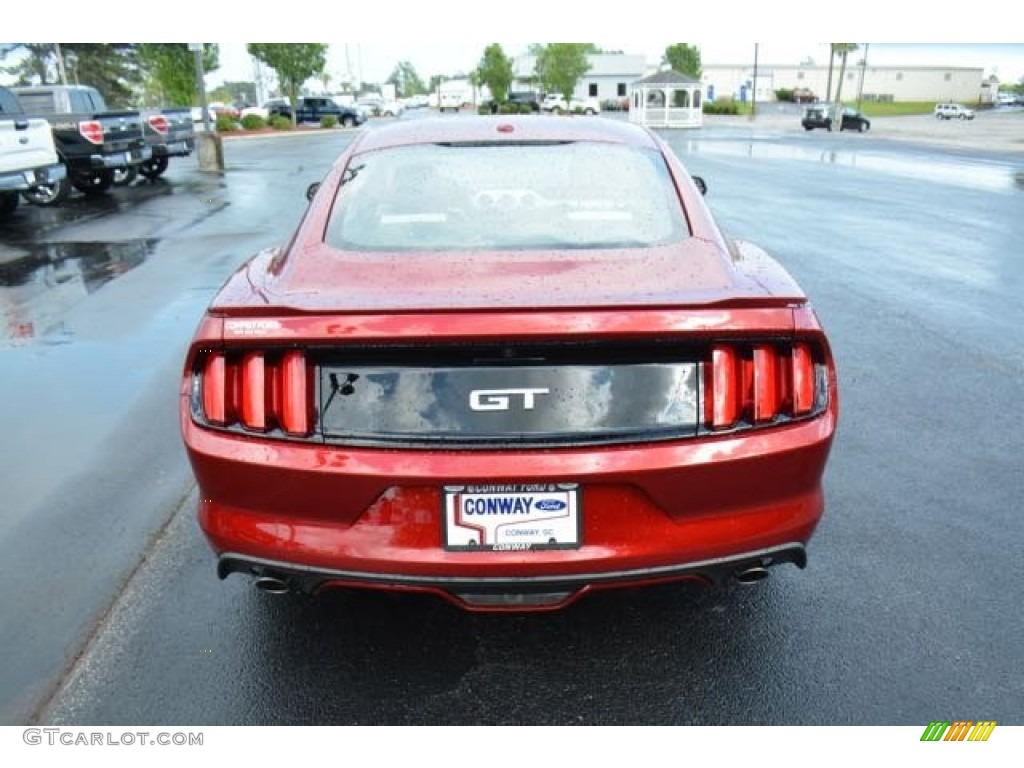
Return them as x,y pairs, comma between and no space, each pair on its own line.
874,83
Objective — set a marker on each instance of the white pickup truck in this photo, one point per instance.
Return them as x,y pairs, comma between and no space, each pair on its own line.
28,158
554,102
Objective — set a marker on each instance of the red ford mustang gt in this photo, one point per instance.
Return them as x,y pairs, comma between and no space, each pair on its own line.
508,361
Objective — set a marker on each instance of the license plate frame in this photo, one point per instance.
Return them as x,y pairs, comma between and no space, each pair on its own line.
521,517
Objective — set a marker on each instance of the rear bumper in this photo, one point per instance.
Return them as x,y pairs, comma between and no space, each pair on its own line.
511,593
182,148
33,177
325,515
121,159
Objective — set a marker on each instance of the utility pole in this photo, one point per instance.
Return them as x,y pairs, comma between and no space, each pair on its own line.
863,66
211,150
60,65
831,61
753,88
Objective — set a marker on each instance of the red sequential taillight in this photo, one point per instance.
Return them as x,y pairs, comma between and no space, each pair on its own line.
158,123
92,130
750,385
259,391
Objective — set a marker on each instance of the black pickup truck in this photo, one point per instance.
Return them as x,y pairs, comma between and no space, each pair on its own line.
312,108
169,133
91,140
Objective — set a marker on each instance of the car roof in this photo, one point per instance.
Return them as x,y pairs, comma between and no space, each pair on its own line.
505,128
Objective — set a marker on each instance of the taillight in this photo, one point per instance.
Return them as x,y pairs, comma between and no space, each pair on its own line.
803,380
215,390
254,391
258,391
158,123
295,399
766,387
759,384
722,391
92,130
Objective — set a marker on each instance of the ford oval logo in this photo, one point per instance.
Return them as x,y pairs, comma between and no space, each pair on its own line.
550,505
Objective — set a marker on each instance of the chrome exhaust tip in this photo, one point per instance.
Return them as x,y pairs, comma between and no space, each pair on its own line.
272,585
751,575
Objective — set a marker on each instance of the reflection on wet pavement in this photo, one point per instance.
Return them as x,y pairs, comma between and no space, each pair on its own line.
40,282
934,168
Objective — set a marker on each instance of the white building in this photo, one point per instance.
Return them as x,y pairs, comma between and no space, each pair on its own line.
963,84
608,79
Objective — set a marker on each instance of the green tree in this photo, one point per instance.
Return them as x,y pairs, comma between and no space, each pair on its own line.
406,80
684,59
495,71
561,65
112,68
37,64
294,64
173,67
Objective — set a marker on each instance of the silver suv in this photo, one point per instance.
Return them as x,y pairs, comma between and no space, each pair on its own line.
949,111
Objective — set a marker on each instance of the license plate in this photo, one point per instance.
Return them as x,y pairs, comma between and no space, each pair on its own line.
500,518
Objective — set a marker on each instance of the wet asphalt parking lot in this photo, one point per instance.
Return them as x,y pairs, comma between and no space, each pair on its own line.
908,611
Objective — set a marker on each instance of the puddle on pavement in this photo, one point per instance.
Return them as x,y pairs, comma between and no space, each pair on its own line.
41,282
987,176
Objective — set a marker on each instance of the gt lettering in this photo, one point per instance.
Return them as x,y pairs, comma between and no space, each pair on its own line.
500,399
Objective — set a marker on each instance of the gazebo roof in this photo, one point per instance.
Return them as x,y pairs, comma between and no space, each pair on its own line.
666,77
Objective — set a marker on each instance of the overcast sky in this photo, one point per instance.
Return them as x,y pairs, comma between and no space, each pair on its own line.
374,62
421,31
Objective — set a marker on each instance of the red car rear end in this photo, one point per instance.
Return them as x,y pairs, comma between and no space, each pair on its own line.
529,389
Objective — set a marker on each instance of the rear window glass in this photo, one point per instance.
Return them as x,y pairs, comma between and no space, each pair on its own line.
37,101
506,197
9,103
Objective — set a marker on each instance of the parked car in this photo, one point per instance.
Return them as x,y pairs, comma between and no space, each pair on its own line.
92,141
28,157
452,100
390,109
804,96
313,108
554,102
951,111
820,116
616,394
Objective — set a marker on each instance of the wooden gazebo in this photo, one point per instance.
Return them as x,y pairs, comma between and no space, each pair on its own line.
666,99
